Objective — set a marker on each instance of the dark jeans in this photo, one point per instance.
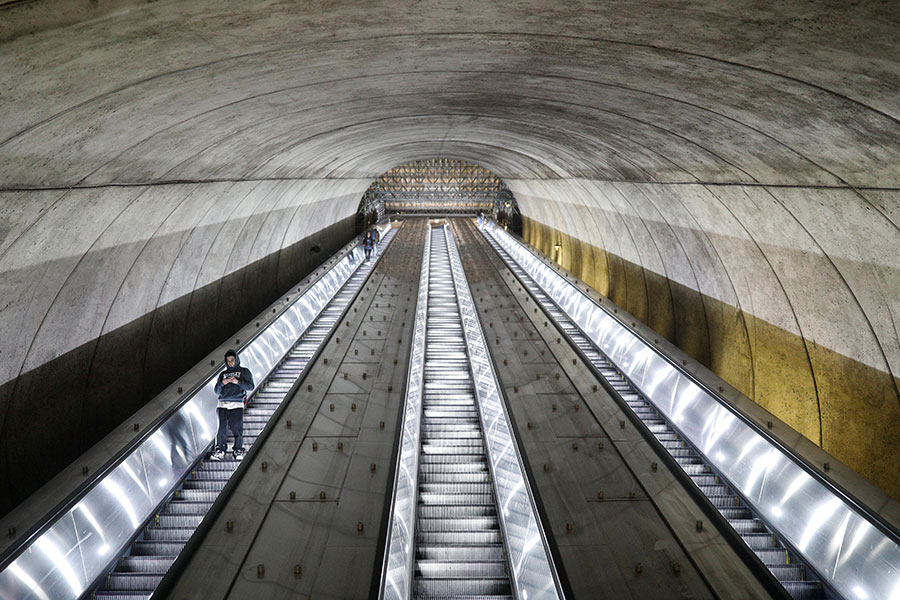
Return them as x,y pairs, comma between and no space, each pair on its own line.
234,418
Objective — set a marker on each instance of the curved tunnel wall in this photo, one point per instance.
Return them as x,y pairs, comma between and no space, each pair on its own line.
789,294
110,294
728,172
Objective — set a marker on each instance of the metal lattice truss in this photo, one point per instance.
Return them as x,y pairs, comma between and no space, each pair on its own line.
438,186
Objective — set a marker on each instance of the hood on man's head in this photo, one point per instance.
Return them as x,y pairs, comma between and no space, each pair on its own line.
237,360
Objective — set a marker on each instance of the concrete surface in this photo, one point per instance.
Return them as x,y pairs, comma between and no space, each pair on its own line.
736,163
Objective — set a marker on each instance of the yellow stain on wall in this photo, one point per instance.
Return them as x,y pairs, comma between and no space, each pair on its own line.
849,409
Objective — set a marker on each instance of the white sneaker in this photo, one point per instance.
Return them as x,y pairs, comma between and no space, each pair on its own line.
217,455
238,455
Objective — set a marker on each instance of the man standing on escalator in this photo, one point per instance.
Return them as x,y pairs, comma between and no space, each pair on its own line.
232,387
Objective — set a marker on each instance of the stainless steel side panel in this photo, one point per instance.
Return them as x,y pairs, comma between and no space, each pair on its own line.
857,559
397,579
67,557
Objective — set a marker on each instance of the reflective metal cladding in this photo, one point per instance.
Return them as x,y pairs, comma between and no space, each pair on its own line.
67,557
396,582
857,559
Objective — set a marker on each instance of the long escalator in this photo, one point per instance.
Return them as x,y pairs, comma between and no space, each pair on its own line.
459,461
807,533
459,546
781,562
140,571
149,499
142,568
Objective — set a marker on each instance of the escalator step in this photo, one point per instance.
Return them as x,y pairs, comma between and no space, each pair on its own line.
432,396
213,474
449,569
467,451
473,489
725,501
804,590
705,480
168,534
445,477
142,548
736,513
464,464
761,541
714,490
440,402
144,564
199,495
671,445
789,572
450,498
426,511
462,428
199,484
696,469
216,465
255,417
457,538
176,520
458,524
453,588
464,442
745,526
134,581
773,557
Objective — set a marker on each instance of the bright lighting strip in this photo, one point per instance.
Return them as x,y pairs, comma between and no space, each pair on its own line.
531,566
397,575
855,558
78,546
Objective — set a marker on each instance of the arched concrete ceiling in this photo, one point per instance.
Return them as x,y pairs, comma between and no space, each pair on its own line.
798,94
719,169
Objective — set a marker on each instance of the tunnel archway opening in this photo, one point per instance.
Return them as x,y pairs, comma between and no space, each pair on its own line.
439,187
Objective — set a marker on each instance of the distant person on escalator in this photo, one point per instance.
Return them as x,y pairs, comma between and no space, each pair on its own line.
232,387
367,247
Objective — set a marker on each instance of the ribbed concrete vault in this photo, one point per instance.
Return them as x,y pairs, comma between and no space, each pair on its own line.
727,172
